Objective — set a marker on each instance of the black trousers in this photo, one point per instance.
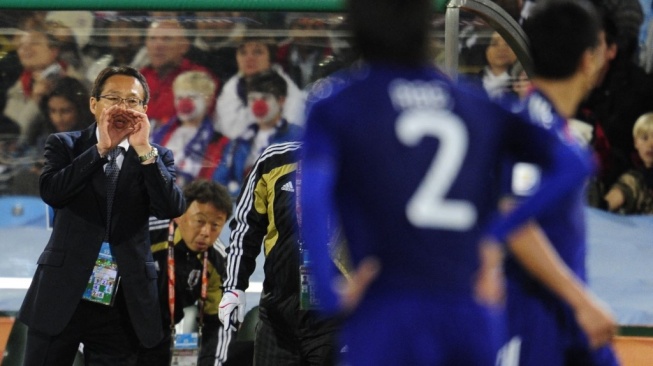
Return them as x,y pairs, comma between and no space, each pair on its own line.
271,349
106,332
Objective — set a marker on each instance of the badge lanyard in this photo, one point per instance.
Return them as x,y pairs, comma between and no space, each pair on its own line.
171,280
171,285
203,294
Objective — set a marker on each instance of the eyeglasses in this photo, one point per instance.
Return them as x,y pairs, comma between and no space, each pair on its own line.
114,99
199,224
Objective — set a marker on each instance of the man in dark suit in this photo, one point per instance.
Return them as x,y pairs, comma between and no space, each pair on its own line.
96,280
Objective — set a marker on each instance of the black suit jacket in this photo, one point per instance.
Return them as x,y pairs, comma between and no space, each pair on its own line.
74,184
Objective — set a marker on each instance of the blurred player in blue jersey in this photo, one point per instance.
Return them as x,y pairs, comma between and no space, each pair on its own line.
408,162
553,318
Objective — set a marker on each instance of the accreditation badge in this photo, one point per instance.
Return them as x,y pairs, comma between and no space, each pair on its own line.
308,299
186,350
103,283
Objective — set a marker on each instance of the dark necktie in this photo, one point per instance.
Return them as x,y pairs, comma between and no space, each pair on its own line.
111,172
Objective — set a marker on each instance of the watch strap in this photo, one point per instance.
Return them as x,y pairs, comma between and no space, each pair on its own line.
154,152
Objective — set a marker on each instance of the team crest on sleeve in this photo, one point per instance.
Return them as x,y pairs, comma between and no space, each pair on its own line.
321,89
540,111
325,87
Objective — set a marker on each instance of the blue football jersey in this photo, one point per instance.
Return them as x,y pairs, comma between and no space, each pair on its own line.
544,326
563,222
410,163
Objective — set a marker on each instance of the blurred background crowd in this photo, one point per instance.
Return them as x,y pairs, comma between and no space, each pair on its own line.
211,107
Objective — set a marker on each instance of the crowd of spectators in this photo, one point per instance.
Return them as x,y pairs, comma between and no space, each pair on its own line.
198,66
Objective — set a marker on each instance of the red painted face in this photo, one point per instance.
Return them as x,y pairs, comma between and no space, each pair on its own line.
185,105
260,108
264,107
190,105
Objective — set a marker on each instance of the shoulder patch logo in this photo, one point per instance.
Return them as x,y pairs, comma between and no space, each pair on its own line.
288,187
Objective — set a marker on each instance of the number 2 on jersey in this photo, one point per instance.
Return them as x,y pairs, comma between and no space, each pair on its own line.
428,207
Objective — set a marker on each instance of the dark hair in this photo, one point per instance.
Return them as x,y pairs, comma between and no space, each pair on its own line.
73,91
268,82
268,42
609,27
207,191
391,30
119,70
76,93
559,32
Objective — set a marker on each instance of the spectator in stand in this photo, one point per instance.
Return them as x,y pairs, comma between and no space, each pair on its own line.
254,55
197,147
10,71
633,192
495,76
623,93
38,51
266,97
218,36
69,52
302,52
63,109
123,42
10,66
167,43
628,15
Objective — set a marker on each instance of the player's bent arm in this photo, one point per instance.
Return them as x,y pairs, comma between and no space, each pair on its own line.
532,249
564,170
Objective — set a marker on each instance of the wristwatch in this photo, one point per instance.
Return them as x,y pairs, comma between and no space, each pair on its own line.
153,153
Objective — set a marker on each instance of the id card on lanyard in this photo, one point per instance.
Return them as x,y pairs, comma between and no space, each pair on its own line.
103,283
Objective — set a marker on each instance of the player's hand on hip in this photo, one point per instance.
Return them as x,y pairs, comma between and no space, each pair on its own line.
351,291
232,300
489,288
